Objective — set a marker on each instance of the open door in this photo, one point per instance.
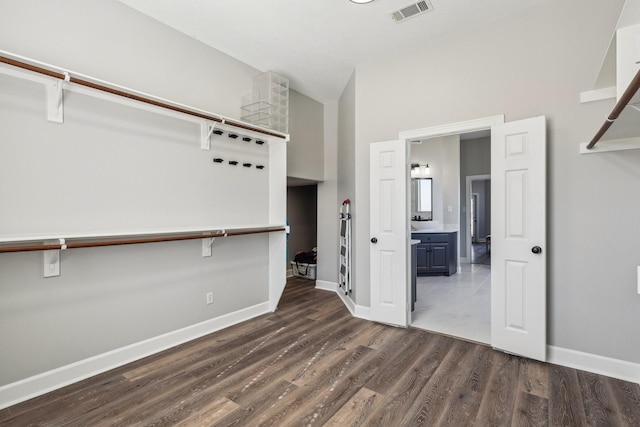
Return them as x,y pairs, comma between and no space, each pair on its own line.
389,233
518,238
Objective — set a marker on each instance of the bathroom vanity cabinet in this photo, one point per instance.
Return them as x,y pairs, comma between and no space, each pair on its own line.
437,253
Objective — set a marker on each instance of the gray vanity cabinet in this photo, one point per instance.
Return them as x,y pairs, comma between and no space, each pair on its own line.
437,253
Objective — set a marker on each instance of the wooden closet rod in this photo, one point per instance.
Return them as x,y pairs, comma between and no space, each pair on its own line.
626,97
134,241
135,97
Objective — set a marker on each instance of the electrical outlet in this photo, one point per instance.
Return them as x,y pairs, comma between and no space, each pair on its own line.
209,298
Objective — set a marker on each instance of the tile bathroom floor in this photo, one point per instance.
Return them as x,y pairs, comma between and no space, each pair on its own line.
458,305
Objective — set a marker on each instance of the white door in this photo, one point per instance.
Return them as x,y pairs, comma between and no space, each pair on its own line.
518,238
388,232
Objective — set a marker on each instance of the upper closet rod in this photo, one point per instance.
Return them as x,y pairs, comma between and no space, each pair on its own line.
139,98
623,102
168,238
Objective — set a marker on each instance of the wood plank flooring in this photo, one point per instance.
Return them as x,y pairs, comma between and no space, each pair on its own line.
311,364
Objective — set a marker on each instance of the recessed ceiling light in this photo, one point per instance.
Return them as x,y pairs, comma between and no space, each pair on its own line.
361,1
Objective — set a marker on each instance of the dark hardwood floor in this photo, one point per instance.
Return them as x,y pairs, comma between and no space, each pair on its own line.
311,364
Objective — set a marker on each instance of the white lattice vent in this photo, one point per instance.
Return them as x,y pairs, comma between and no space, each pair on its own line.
413,10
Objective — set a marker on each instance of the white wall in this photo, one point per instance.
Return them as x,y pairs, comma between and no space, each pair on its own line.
108,40
533,63
107,298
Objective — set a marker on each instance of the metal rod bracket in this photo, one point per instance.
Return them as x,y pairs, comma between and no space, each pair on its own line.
207,242
55,104
206,129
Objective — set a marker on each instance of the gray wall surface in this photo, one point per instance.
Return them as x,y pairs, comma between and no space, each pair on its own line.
107,298
475,159
327,269
535,62
305,152
347,170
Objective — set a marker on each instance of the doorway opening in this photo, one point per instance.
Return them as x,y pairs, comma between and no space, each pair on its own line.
458,304
302,218
478,190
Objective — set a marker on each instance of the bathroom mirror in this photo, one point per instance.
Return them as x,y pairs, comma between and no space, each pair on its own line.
421,199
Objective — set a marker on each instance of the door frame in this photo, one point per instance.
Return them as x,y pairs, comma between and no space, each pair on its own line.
456,128
470,179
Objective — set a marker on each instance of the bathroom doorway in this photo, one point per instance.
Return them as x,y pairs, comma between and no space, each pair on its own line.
478,247
459,305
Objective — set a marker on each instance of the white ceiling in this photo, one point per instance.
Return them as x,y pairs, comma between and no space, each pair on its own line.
318,43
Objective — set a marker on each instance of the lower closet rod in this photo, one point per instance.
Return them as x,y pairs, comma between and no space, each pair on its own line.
172,238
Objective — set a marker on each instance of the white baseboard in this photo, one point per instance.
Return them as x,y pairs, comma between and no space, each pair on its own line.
614,368
359,311
363,312
326,286
45,382
290,272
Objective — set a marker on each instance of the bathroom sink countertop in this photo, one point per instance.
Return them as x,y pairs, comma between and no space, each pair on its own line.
436,229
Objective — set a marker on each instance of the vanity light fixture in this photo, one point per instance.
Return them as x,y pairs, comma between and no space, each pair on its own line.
418,170
361,1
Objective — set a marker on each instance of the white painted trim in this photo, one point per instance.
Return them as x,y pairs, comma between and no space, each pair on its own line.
452,128
290,272
363,312
598,94
327,286
351,306
615,368
358,311
45,382
611,145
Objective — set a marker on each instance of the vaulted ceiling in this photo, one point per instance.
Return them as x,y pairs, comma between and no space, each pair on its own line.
318,43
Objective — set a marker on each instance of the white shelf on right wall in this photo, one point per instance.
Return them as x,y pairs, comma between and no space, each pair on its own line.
617,80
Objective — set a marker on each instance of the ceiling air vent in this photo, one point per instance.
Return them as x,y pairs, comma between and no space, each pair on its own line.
412,10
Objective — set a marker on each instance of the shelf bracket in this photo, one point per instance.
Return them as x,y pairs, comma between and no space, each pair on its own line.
51,258
206,129
611,145
55,104
207,243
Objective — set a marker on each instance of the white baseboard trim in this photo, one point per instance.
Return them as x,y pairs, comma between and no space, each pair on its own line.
326,286
351,306
290,272
359,311
594,363
45,382
363,312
